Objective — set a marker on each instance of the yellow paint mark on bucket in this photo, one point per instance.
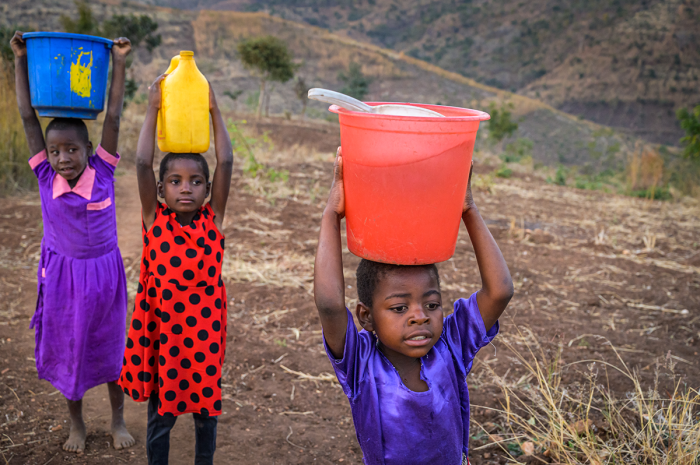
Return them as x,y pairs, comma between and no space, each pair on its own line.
81,76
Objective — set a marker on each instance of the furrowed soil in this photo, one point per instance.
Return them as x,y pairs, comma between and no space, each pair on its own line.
585,264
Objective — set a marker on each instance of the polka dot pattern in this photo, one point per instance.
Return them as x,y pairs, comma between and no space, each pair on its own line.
177,341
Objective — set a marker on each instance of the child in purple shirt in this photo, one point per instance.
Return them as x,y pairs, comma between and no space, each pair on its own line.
80,315
405,372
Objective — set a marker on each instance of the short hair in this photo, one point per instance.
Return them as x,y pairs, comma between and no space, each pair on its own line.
62,124
171,157
369,273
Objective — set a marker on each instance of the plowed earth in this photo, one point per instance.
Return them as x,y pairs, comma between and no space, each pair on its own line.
281,401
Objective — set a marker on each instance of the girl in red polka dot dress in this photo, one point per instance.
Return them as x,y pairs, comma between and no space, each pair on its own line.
176,343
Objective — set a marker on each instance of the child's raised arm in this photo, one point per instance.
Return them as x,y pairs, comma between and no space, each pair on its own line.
110,128
329,284
32,128
224,162
144,156
497,285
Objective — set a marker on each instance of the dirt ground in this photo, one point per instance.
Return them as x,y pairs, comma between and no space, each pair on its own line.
584,264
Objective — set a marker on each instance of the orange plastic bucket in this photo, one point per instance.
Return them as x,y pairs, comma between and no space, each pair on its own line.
405,180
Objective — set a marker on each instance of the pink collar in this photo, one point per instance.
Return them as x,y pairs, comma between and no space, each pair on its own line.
83,188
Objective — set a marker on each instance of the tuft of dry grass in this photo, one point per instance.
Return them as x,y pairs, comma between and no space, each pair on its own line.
645,169
273,268
574,422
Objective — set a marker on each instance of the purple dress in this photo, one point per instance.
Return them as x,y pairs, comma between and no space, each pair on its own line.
80,317
397,426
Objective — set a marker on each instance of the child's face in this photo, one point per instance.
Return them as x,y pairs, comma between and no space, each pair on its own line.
67,153
184,186
406,313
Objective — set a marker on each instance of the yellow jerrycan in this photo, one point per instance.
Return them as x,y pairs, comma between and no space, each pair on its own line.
173,64
184,110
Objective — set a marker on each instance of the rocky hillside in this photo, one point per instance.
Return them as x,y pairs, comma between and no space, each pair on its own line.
623,63
558,137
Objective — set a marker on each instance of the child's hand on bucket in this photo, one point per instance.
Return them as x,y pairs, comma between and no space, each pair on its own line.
336,199
121,47
154,93
212,99
18,45
468,199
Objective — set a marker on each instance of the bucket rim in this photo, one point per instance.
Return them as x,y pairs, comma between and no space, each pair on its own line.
67,35
477,116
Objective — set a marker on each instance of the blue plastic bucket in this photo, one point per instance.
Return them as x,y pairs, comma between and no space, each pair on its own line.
67,73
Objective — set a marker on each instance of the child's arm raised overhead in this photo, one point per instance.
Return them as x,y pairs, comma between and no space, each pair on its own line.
329,284
32,128
144,156
224,162
497,285
110,129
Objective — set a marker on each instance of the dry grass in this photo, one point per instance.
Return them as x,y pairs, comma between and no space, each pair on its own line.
573,422
645,170
15,173
273,268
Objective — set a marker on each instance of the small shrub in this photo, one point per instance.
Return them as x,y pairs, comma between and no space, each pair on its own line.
690,122
246,145
483,183
501,124
274,175
560,176
661,193
356,84
503,172
516,151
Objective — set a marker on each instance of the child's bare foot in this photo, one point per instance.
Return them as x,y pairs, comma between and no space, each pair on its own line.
76,439
122,438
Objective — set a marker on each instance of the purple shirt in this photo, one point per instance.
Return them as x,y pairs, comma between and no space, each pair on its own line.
395,425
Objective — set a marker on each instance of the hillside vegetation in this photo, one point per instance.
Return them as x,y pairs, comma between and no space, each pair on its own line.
545,135
628,64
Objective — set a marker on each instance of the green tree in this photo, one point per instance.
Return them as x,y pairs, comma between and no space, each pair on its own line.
140,30
501,124
269,58
301,89
356,83
86,22
6,55
690,122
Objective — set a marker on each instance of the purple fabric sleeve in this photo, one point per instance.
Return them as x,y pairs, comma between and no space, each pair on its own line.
41,167
356,353
465,333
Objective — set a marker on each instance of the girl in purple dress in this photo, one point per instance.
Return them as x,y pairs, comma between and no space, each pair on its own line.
80,313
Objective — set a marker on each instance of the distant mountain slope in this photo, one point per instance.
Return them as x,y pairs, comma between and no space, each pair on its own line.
624,63
213,35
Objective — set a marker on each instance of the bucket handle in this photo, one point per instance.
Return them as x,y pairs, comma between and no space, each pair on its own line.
336,98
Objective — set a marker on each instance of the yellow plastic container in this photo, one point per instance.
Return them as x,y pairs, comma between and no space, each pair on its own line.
173,64
184,111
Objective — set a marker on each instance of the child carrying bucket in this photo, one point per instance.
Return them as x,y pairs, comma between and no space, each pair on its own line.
405,372
176,343
80,313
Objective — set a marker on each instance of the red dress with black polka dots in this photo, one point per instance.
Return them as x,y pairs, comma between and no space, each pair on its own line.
177,338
